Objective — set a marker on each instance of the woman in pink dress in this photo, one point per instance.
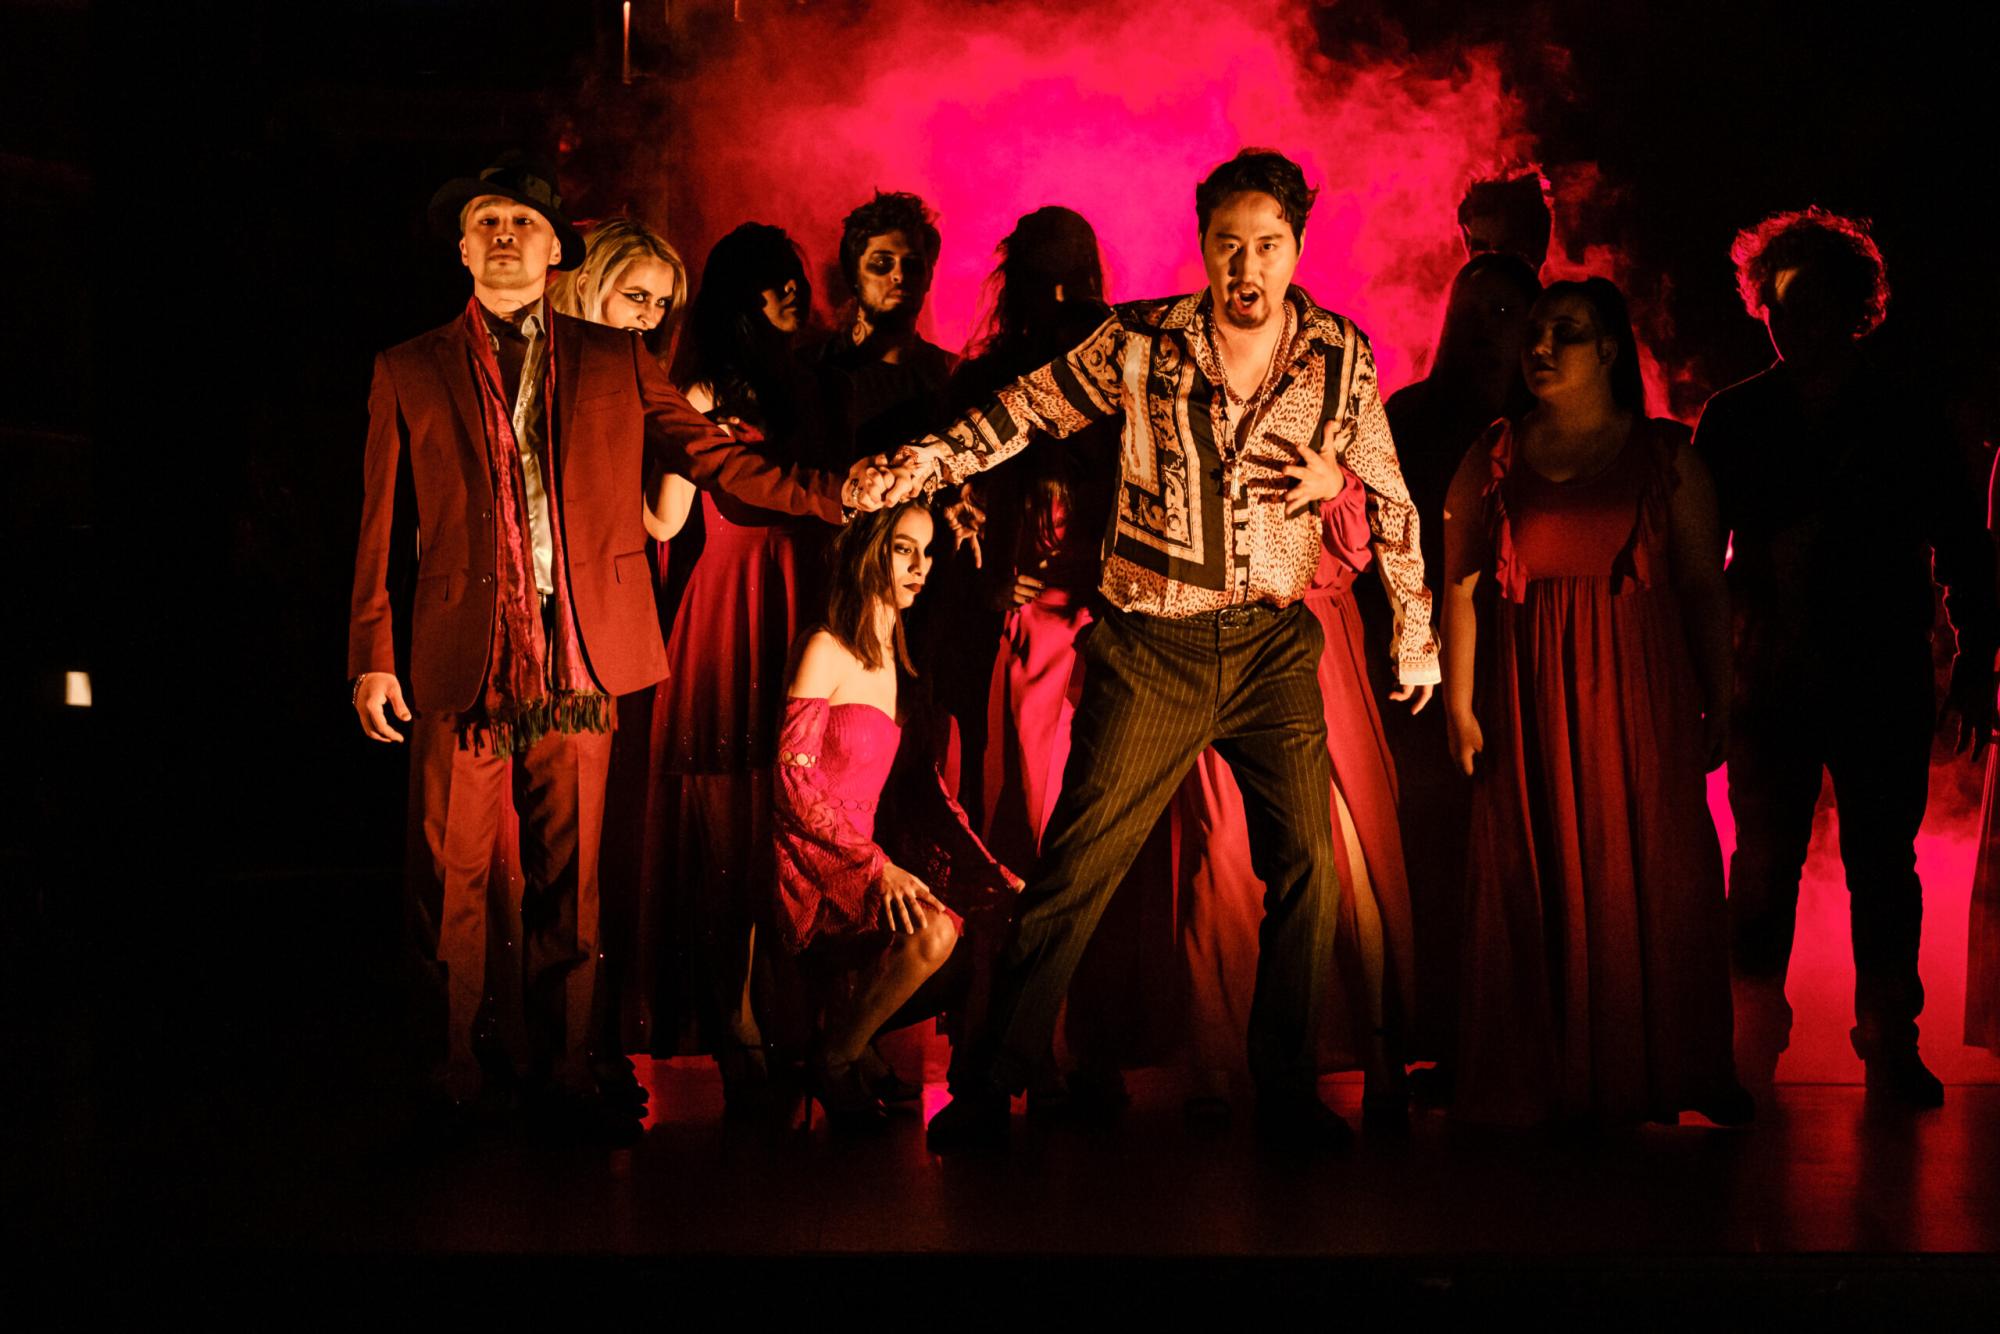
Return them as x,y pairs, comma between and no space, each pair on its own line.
716,716
1596,983
872,929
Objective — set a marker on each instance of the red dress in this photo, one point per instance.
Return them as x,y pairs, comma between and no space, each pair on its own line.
1221,897
1118,1013
1596,967
834,770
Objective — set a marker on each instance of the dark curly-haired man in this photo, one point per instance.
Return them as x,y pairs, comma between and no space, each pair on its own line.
1842,491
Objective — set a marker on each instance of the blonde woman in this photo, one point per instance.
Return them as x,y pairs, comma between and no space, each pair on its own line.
631,278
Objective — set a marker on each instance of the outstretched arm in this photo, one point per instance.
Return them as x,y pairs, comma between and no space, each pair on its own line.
1060,399
681,440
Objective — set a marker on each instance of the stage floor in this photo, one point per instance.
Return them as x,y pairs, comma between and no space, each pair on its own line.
1821,1171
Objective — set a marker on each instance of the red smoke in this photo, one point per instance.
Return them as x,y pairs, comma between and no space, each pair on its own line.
996,110
990,111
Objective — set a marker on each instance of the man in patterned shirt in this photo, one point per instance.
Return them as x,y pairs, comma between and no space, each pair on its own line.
1244,407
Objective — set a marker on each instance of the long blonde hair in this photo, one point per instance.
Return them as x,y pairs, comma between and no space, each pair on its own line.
611,246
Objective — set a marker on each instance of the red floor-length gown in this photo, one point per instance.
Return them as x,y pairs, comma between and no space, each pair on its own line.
1121,1010
715,726
1596,978
1221,898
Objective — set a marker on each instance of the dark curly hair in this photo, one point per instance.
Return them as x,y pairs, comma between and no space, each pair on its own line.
1837,248
897,211
1257,171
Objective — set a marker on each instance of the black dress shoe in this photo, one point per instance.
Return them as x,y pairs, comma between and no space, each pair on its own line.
1301,1123
1904,1077
970,1123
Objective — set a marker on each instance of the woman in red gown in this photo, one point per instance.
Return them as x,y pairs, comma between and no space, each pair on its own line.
1047,512
873,927
716,716
1596,983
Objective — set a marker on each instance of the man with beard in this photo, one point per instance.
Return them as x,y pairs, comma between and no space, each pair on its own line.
884,383
1239,405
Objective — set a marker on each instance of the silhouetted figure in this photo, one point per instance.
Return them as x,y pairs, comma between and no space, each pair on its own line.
1046,512
1475,380
1508,215
1596,983
1840,485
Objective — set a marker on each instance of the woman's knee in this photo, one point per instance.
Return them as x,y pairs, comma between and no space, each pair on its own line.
934,944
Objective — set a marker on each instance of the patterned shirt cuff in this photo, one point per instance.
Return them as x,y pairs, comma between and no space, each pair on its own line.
1419,671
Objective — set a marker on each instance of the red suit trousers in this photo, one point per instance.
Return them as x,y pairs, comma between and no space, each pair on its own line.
459,798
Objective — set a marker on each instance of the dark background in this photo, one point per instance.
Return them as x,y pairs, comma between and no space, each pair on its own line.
215,217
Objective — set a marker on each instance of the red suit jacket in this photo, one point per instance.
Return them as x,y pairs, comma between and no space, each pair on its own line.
612,410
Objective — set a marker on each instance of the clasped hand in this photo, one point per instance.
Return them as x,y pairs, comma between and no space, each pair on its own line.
878,481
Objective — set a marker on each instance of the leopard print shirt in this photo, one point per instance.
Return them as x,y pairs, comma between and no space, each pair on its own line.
1199,523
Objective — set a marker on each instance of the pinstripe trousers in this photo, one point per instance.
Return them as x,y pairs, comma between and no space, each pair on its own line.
1156,693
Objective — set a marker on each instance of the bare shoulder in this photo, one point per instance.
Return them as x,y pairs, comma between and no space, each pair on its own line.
824,666
701,398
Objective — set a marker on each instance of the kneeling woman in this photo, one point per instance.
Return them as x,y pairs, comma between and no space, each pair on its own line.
881,927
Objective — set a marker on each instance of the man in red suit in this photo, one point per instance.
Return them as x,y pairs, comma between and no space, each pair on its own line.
520,455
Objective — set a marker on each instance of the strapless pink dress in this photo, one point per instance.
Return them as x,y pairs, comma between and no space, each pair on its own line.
834,764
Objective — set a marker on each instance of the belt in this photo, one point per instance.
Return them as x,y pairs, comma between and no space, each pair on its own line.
1243,613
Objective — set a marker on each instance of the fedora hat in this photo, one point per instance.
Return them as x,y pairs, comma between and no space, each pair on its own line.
513,176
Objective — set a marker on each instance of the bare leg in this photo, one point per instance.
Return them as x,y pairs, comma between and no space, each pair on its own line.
883,987
742,1017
